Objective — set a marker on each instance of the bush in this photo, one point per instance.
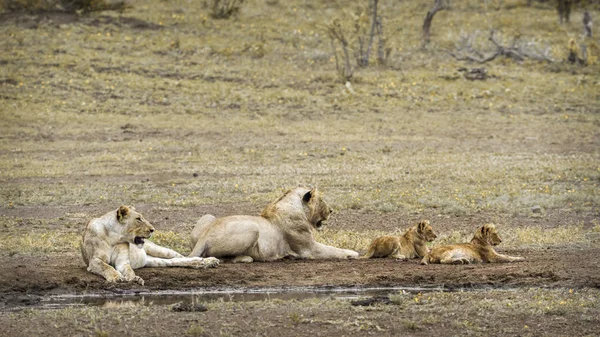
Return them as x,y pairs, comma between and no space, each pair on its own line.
223,9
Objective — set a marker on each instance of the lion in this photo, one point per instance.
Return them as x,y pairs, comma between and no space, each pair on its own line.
480,249
411,245
115,244
282,230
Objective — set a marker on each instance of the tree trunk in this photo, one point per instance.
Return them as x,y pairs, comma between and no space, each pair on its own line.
438,6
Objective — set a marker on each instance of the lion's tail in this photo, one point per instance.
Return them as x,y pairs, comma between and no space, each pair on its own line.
369,253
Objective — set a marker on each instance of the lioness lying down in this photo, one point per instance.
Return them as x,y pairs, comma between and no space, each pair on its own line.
283,229
411,245
480,249
115,244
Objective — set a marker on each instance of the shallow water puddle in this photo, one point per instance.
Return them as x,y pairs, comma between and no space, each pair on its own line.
203,296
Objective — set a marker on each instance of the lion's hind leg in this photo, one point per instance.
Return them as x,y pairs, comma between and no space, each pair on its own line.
184,262
505,258
155,250
456,256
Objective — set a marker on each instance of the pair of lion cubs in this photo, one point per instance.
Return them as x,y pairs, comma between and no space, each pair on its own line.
413,244
115,244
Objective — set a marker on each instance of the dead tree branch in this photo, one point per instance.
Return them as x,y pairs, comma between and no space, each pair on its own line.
437,6
336,35
516,51
587,24
362,54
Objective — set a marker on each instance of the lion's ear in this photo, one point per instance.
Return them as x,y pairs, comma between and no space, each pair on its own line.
307,196
122,213
422,225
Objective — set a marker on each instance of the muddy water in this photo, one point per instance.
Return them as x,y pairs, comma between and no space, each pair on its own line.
203,296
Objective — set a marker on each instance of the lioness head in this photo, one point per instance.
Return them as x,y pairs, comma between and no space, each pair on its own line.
318,209
136,228
488,233
426,231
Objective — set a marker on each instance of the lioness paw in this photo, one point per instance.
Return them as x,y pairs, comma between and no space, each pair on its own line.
351,254
138,280
211,262
207,262
114,278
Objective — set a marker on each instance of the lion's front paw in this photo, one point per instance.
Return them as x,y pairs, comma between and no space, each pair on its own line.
114,277
134,278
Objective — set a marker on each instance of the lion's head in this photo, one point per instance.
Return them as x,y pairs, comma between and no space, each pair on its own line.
426,231
299,202
319,211
135,227
488,234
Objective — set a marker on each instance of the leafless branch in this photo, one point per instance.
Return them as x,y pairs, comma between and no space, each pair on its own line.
437,6
516,50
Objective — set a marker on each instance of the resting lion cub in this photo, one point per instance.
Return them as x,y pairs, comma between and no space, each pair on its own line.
283,229
411,245
480,249
114,245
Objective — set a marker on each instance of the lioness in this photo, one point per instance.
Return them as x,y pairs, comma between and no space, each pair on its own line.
114,245
283,229
480,249
411,245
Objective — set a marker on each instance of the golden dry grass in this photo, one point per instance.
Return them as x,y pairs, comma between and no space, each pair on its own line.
108,114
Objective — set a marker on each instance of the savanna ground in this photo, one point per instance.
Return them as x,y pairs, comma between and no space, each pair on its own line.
180,114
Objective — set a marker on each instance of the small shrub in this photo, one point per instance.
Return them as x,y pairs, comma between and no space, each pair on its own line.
224,9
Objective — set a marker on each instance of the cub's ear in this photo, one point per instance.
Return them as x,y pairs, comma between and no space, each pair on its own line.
422,225
122,213
307,196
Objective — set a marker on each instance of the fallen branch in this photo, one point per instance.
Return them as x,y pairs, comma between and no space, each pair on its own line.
514,51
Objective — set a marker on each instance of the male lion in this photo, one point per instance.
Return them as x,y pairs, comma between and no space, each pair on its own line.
114,245
411,245
480,249
283,229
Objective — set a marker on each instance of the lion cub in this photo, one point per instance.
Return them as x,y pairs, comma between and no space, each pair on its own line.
480,249
408,246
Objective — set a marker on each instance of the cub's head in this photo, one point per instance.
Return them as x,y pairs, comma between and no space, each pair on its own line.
426,231
318,210
488,234
135,227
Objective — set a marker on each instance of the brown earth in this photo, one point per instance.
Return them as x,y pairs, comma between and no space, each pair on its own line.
551,267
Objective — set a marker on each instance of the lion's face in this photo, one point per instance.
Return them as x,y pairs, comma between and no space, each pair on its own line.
319,211
136,228
426,231
489,234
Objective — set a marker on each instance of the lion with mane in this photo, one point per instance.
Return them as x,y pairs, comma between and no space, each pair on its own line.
282,230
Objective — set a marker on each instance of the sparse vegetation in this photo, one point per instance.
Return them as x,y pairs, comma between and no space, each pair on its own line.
166,107
224,9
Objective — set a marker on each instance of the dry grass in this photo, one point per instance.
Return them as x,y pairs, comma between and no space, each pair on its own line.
39,243
113,114
514,312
